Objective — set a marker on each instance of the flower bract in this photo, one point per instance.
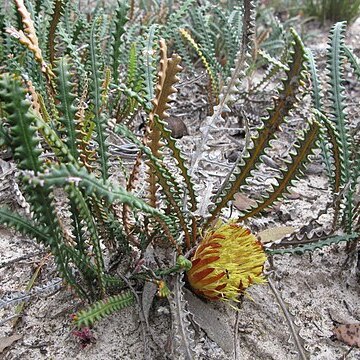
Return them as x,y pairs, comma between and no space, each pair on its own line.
227,261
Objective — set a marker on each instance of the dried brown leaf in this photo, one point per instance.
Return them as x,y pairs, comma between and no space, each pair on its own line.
7,341
293,195
274,234
243,202
348,333
209,319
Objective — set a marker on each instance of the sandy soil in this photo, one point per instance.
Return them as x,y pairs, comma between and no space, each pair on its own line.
320,288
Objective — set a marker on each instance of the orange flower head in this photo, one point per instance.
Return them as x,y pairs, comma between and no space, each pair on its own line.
227,261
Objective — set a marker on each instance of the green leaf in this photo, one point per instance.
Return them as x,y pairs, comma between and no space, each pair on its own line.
103,308
65,105
61,175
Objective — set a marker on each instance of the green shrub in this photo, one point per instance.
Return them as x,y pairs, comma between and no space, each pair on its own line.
333,10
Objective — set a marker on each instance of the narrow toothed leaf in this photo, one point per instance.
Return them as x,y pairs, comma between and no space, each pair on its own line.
276,116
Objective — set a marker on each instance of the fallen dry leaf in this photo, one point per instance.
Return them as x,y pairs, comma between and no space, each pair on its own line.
209,319
348,333
274,234
7,341
243,202
293,195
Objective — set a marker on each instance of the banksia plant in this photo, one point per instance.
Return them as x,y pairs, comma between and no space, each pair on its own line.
69,112
227,261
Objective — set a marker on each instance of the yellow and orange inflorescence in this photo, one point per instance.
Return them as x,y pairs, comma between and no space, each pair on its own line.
227,261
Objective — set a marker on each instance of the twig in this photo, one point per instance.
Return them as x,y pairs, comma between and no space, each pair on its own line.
288,318
236,329
2,322
23,257
145,328
20,307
